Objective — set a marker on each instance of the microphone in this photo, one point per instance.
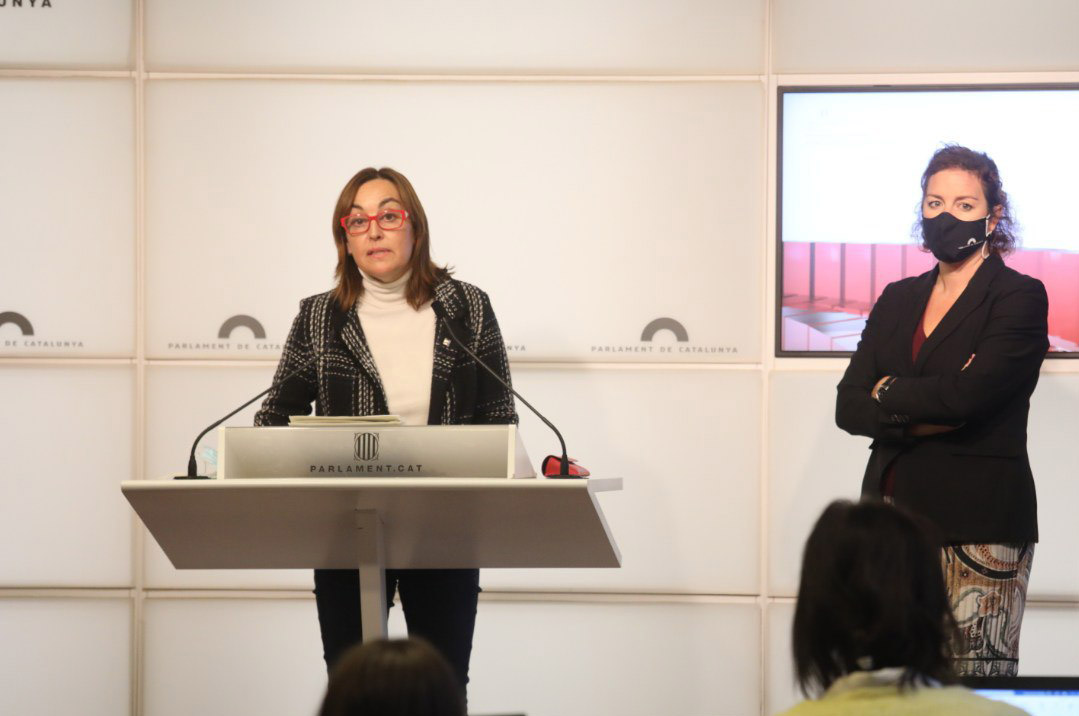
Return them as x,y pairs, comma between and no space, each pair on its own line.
192,468
564,461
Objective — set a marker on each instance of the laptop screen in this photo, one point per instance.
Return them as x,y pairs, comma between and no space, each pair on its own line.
1037,695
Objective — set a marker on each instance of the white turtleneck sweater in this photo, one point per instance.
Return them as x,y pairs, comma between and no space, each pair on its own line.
402,342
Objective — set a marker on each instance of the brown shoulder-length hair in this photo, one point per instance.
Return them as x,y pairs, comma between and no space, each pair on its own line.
425,274
405,677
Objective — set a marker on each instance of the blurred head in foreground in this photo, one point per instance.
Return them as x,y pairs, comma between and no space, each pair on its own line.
871,596
405,677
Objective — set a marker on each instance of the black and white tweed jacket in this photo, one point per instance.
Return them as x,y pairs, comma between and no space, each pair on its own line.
343,379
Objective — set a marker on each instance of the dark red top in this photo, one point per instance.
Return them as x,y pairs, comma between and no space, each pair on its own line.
919,339
887,487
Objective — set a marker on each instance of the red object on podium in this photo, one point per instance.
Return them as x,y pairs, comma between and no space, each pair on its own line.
552,465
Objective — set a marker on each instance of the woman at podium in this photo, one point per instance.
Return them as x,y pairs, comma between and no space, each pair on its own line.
941,380
378,344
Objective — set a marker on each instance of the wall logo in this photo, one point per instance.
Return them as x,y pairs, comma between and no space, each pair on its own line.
18,319
665,324
27,3
28,339
241,320
226,341
366,446
655,340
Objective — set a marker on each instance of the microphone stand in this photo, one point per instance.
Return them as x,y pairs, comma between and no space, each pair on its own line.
192,468
563,471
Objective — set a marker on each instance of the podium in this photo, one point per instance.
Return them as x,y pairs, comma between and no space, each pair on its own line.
377,524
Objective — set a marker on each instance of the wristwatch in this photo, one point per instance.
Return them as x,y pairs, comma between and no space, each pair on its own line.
884,388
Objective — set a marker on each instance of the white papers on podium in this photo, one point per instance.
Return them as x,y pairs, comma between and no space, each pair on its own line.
343,421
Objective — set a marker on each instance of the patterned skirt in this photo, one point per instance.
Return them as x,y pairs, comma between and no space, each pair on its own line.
987,588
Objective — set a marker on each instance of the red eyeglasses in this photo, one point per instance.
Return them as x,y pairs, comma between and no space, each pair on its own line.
387,220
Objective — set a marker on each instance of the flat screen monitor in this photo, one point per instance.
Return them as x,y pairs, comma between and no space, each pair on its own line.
849,196
1037,695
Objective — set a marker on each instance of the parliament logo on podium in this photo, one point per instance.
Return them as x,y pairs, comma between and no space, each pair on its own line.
366,446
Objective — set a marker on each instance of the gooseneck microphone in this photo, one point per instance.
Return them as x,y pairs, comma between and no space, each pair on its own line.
563,465
192,468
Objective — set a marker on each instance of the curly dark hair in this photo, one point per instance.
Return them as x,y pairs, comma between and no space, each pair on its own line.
871,596
1004,238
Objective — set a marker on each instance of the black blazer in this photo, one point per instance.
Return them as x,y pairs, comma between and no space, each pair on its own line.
343,380
975,481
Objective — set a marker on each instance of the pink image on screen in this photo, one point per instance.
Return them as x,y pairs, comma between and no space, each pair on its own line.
829,289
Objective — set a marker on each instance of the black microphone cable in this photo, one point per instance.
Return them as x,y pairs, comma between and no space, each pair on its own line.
563,471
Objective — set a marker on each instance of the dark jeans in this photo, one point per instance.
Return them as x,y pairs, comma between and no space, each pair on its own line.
439,604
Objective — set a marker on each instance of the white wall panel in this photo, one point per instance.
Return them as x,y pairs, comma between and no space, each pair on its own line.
587,211
180,402
67,446
558,659
811,463
685,444
924,36
61,656
1047,642
483,36
781,689
1051,437
67,217
221,657
88,34
231,656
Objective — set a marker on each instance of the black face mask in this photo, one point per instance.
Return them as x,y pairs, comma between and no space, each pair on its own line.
952,240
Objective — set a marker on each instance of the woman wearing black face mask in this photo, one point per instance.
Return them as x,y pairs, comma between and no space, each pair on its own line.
941,381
